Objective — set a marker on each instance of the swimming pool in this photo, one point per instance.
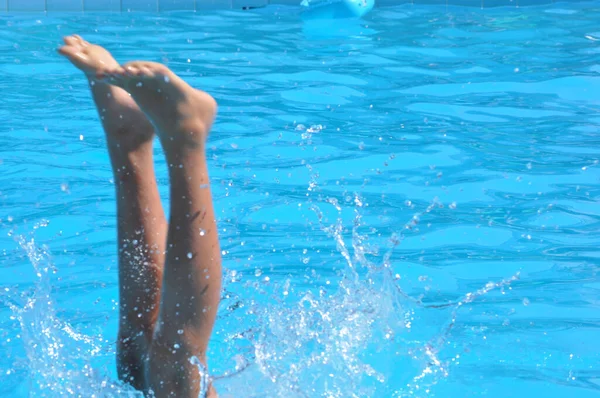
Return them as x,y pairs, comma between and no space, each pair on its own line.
408,204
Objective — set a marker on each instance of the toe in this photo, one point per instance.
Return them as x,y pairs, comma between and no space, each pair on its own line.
147,72
114,71
68,51
70,41
132,70
118,74
80,40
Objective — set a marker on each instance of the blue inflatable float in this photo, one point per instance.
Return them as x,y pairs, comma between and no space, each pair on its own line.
336,9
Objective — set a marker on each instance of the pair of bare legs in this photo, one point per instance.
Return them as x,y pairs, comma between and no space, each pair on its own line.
169,273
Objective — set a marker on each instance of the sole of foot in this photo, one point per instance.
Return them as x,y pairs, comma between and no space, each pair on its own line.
183,115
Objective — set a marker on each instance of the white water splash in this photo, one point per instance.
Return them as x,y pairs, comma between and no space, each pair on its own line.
59,358
348,339
351,339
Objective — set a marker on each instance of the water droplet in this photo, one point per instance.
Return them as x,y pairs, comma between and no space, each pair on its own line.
190,255
180,331
176,346
202,232
139,84
167,80
80,137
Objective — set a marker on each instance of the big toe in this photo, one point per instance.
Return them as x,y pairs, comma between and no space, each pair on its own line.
69,50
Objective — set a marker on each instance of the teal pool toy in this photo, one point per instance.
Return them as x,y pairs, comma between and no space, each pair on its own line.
335,9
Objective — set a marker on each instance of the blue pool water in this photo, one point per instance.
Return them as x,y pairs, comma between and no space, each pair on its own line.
408,204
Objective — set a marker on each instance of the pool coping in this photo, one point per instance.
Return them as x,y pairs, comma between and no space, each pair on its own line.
200,5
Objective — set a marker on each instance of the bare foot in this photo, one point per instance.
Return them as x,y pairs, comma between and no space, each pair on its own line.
182,114
125,124
89,58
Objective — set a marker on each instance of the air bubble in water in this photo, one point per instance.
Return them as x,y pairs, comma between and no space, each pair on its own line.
526,301
180,331
257,272
315,128
190,255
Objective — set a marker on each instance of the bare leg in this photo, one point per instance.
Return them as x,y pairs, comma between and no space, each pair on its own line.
141,223
192,274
